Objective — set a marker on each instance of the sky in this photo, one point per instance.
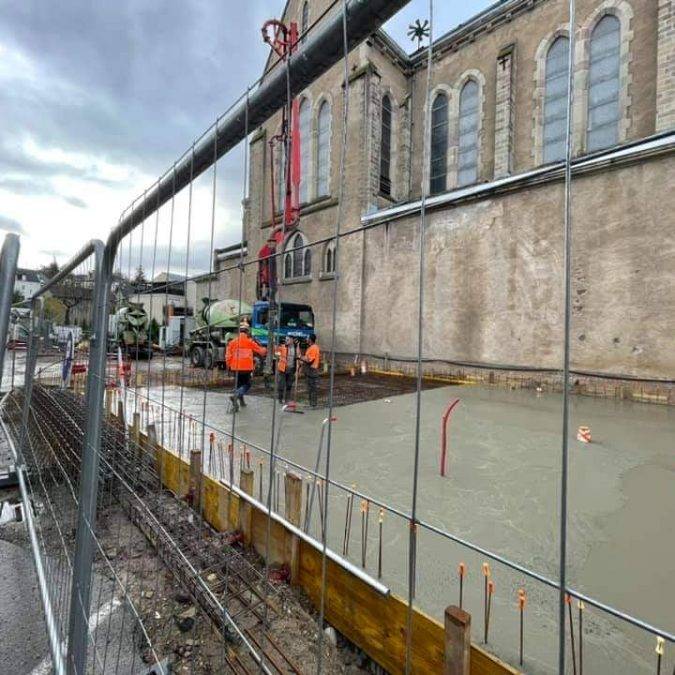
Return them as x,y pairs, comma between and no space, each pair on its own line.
97,99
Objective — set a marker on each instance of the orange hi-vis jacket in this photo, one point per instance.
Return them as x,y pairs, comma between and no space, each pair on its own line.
239,354
312,355
281,352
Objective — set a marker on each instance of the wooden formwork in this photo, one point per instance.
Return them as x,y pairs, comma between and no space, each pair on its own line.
373,621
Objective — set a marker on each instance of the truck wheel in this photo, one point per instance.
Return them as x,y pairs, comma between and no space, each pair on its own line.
208,359
197,356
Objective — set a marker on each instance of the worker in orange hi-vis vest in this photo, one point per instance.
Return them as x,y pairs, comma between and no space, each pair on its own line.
239,359
312,359
286,355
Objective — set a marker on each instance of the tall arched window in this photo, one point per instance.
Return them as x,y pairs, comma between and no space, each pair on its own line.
603,84
304,23
438,173
329,258
467,169
555,100
305,120
385,147
323,150
297,257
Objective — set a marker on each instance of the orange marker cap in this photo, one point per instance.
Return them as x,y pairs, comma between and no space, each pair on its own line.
491,587
522,598
486,569
461,569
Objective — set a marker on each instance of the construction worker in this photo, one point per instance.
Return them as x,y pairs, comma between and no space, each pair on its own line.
286,355
239,359
311,359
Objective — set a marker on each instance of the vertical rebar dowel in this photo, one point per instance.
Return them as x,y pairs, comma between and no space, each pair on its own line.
581,636
490,592
379,548
486,579
307,488
260,480
568,600
344,538
365,517
660,643
522,601
461,571
319,488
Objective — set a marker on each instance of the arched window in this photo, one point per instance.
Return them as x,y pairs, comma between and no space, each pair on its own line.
323,150
304,23
329,258
307,262
555,100
603,84
385,147
438,173
297,257
305,121
467,169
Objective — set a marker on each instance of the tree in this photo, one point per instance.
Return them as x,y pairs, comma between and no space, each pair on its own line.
50,270
139,277
17,297
54,310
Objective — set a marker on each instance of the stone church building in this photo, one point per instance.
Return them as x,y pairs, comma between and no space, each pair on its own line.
493,240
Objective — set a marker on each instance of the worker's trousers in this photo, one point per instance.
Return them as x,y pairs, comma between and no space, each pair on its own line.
313,385
242,382
284,386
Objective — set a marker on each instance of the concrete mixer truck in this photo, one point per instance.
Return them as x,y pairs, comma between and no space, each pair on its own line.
129,330
218,322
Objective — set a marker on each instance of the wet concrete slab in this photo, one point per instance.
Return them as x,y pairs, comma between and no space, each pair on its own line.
502,493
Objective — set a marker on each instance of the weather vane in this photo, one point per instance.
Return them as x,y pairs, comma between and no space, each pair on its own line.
418,31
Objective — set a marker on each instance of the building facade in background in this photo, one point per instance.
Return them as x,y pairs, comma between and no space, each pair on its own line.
493,272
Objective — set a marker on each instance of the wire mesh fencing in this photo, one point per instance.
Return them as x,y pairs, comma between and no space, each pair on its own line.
185,519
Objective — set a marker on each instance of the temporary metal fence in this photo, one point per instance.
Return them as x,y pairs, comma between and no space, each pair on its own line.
84,461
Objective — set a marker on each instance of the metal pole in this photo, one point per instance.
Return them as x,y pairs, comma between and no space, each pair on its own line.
567,272
86,515
52,628
8,258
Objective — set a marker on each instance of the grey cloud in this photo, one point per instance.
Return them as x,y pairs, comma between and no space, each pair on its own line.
11,225
36,186
76,201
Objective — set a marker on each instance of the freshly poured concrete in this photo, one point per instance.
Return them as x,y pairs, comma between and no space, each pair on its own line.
502,493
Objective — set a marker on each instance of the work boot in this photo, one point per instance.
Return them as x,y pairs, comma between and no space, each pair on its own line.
233,401
242,403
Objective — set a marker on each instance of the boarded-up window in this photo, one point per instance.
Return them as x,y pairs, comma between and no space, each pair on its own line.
555,100
305,120
323,150
438,171
603,86
385,147
467,170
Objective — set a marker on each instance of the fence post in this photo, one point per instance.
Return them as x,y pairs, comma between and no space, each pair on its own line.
8,258
293,504
86,516
29,375
457,641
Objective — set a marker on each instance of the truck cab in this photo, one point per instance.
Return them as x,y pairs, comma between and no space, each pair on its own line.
296,320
